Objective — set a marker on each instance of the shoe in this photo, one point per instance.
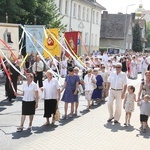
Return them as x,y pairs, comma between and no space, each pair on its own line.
109,120
144,130
75,113
19,129
87,109
64,117
30,128
70,115
115,121
125,124
46,124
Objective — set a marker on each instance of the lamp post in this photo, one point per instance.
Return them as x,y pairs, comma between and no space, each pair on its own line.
91,26
126,24
70,15
6,18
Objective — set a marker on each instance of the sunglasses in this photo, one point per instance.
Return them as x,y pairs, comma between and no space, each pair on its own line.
118,67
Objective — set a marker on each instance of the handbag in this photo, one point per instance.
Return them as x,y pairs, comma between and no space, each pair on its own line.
57,115
100,87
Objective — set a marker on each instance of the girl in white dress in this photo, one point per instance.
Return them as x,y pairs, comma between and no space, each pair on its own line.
129,100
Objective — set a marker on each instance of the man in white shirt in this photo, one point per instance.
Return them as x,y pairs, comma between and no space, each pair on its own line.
38,67
144,65
117,82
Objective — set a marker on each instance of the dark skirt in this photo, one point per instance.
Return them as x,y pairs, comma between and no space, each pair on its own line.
28,108
49,107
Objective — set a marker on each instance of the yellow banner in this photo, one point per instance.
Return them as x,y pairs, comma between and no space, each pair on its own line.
51,44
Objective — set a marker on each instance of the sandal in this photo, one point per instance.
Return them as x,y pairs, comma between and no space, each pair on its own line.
19,129
46,124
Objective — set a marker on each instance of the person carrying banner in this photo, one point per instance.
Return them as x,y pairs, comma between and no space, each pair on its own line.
14,77
38,67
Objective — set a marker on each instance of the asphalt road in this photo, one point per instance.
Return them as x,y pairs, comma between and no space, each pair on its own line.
10,113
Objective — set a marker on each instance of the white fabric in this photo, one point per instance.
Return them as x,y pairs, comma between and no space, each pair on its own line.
29,91
40,66
115,95
117,81
89,86
51,88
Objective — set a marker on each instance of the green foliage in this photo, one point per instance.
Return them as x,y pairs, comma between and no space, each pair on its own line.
102,49
32,12
137,41
148,34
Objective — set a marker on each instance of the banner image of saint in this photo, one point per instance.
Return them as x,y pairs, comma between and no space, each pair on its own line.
72,40
10,36
51,44
37,33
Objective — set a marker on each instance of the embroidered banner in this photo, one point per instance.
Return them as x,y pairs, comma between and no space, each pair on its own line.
37,33
10,37
51,44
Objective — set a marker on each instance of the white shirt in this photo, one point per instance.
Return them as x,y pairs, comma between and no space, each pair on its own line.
117,81
104,75
39,67
29,91
89,86
51,89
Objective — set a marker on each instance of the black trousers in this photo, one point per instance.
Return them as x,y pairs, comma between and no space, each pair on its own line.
38,77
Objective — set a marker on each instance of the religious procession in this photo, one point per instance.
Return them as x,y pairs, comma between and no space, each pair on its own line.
96,76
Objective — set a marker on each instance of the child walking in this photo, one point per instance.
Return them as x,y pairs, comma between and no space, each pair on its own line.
128,105
144,112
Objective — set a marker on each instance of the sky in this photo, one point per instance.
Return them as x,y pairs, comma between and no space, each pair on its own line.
115,6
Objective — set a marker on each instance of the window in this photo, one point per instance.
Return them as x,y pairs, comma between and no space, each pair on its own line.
93,17
83,14
92,40
66,7
79,12
74,10
97,17
87,15
86,38
96,39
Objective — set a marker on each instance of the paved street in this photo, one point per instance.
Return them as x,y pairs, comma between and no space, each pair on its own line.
87,131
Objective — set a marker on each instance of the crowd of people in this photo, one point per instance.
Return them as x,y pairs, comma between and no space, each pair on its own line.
96,77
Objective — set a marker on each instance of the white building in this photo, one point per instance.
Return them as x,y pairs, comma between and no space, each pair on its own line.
83,16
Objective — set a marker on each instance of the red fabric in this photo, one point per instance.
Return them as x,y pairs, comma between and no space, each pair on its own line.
7,73
72,40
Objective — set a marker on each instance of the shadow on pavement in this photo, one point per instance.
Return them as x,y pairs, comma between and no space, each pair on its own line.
43,128
23,134
114,127
144,135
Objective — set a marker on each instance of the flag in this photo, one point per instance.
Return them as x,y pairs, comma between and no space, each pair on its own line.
37,34
72,40
51,44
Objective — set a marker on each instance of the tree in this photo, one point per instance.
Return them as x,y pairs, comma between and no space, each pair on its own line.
137,41
148,34
31,12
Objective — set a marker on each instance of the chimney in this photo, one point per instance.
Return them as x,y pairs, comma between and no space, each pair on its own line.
105,15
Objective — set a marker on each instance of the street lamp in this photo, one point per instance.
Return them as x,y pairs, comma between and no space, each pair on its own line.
6,18
126,24
91,26
70,15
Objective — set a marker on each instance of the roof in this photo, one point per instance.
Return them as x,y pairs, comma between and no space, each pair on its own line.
113,25
94,3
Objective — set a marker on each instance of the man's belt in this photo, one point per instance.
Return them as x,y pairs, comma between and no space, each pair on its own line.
116,89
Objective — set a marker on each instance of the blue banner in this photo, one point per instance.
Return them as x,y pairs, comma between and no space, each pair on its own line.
38,35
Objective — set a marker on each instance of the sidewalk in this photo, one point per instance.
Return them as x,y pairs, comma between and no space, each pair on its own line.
91,132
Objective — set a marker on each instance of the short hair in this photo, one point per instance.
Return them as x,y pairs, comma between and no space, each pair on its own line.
30,75
147,73
147,96
70,69
118,64
132,87
76,68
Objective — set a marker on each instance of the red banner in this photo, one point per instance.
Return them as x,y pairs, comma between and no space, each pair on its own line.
72,40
